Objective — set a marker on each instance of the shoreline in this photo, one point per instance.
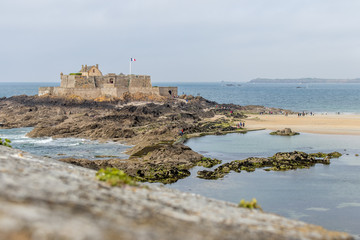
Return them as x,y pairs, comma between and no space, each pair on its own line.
318,124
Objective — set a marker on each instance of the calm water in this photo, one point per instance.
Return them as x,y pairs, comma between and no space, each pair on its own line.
330,98
326,195
17,88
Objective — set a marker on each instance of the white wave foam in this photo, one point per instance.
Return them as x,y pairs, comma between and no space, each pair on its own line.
40,140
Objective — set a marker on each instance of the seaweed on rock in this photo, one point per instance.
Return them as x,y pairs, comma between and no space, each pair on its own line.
281,161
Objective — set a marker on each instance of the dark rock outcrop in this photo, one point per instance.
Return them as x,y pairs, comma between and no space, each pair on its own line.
152,127
285,132
281,161
163,162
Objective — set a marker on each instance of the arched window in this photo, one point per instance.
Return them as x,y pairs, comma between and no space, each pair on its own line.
93,70
111,80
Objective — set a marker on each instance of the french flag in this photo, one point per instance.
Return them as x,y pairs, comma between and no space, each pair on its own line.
132,59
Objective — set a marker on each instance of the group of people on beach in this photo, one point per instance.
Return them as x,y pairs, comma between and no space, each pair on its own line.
240,125
303,114
266,112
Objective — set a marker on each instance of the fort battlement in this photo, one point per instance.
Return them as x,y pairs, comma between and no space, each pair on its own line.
90,83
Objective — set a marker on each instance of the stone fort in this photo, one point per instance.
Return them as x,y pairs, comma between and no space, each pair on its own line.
90,83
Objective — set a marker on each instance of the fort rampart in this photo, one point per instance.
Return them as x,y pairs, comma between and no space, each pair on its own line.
89,83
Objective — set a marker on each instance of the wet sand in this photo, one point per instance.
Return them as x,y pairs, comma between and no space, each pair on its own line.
323,124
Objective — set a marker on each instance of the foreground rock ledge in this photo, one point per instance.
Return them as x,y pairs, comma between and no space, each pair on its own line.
41,198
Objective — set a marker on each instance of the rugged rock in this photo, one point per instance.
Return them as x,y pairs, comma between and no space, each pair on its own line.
281,161
285,132
152,127
163,162
41,198
326,155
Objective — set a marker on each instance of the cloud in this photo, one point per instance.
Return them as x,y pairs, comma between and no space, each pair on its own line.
318,209
194,40
345,205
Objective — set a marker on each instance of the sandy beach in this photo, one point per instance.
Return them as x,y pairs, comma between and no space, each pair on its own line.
323,124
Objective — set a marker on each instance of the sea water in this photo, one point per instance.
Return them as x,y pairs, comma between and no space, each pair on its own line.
326,195
19,88
63,147
314,97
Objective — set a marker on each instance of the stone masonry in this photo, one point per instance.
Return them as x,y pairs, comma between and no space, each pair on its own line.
90,83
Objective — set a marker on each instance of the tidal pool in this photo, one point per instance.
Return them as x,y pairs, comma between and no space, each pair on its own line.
326,195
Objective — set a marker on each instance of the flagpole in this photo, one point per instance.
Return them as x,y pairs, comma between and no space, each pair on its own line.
130,66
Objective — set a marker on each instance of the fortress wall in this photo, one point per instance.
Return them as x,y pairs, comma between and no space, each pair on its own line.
84,82
121,91
113,92
165,91
67,81
148,90
108,92
46,91
84,92
122,81
117,81
99,81
108,80
108,85
140,81
90,87
87,93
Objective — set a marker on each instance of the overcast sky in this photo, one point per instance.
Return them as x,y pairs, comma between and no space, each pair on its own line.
181,40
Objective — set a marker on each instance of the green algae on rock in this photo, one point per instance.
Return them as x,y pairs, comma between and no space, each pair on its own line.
164,174
115,177
5,142
248,164
281,161
208,162
326,155
250,205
